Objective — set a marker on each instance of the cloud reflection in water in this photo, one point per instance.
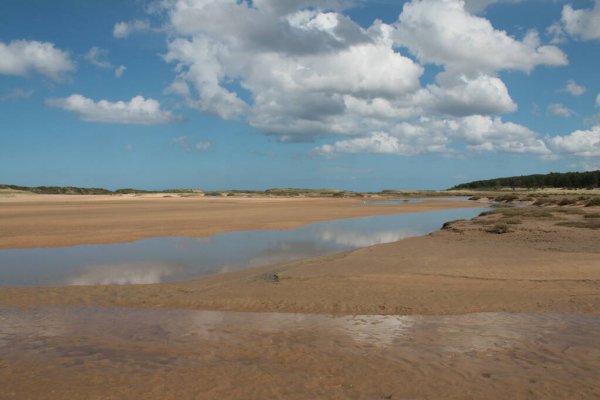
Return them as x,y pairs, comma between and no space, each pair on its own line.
123,274
358,239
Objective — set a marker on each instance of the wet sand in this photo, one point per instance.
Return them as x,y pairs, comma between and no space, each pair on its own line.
540,265
63,220
529,323
79,353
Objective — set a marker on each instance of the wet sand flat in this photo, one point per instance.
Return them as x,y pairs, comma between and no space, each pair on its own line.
541,265
62,220
91,353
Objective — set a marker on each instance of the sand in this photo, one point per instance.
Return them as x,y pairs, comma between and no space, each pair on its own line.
63,220
540,265
496,316
82,353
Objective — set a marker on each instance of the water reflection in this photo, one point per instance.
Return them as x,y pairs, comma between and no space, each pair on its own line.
123,274
287,251
357,239
176,258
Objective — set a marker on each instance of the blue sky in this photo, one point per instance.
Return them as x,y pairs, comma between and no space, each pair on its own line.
362,95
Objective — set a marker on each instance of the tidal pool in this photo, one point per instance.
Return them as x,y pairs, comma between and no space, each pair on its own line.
177,258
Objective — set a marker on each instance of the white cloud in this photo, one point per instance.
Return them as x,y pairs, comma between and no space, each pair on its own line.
300,69
97,56
579,143
463,96
120,70
377,143
573,88
136,111
442,32
477,6
559,110
492,134
16,94
21,57
184,143
582,23
123,29
598,100
480,133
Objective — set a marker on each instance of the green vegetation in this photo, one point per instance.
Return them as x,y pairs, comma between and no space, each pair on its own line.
568,180
57,189
275,192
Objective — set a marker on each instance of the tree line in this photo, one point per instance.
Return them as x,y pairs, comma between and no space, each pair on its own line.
567,180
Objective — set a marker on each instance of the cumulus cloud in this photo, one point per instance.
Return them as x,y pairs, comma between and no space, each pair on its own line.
442,32
123,29
302,69
559,110
584,143
480,133
477,6
376,143
184,143
482,95
21,57
598,100
573,88
136,111
120,70
97,56
490,134
582,23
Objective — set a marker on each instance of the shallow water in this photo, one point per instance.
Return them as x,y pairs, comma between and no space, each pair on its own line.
400,200
176,258
208,354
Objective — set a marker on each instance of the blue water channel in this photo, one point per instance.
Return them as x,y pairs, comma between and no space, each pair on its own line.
177,258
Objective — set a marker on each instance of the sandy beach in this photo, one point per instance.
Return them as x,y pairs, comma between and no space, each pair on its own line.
503,306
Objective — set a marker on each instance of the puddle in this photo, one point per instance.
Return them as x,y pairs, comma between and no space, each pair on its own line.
177,258
247,355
